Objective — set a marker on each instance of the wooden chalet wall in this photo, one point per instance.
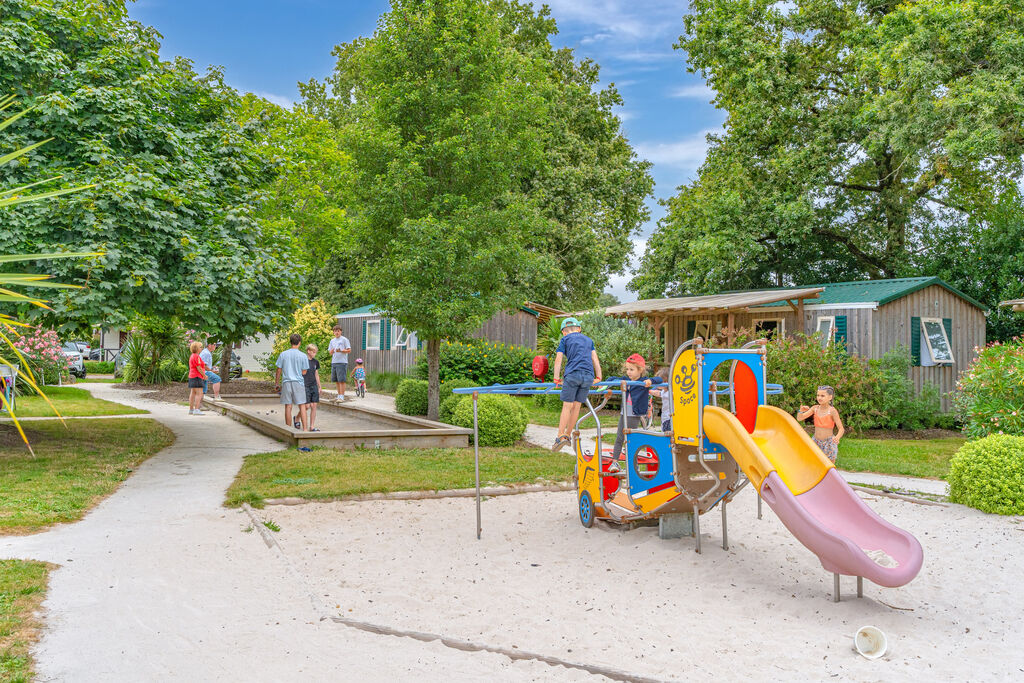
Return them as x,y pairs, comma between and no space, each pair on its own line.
892,326
519,328
872,332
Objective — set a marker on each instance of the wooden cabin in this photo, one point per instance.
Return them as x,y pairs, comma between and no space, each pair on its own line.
386,346
940,326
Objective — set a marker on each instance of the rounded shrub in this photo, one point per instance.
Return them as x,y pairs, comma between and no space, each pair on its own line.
446,412
988,474
411,397
502,420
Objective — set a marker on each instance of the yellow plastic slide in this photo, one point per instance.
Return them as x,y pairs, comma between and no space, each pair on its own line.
778,444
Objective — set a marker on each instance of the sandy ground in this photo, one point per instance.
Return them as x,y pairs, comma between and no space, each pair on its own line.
762,610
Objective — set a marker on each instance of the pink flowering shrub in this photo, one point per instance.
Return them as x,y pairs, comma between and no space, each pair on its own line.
990,396
42,352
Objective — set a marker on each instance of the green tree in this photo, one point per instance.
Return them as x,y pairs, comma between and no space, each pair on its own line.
308,197
855,130
176,175
588,184
439,117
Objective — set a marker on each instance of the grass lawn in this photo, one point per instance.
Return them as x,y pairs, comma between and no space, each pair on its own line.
909,457
22,588
329,472
548,417
74,467
92,379
71,402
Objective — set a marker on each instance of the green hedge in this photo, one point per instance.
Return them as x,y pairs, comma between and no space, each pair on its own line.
988,474
411,397
100,367
481,361
501,420
446,412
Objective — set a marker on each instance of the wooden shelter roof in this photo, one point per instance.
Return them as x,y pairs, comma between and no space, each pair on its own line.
1016,304
712,303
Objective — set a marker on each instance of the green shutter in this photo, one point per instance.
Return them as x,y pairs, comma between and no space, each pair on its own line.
691,329
948,324
840,337
419,342
915,341
364,335
385,334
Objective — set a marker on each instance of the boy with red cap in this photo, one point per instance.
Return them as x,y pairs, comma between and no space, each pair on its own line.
637,398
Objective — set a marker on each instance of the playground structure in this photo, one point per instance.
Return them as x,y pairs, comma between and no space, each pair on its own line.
712,453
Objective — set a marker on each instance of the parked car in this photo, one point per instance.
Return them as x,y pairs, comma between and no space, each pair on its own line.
96,353
84,348
74,355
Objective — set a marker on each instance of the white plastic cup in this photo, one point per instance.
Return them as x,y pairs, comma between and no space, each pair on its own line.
870,642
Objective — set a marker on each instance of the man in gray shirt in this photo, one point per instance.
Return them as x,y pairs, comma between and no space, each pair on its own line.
339,349
291,366
212,380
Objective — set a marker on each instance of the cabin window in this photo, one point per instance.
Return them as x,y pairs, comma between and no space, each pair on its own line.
702,329
402,338
937,347
769,327
373,334
827,329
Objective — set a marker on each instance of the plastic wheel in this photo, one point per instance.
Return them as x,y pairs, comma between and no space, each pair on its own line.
586,510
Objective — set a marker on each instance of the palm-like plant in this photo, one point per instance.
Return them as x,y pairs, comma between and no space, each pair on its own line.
9,325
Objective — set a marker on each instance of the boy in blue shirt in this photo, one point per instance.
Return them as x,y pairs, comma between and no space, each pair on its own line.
582,369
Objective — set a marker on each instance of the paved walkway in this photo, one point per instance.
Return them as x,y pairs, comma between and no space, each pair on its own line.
160,582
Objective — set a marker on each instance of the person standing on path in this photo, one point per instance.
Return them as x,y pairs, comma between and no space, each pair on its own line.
212,378
312,386
292,366
196,373
339,349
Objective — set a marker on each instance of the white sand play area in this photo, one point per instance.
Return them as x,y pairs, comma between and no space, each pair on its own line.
762,610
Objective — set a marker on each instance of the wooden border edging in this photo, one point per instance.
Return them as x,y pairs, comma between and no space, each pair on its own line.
453,643
425,495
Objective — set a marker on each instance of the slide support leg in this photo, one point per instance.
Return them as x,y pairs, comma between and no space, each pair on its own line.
696,526
860,586
759,505
725,530
835,588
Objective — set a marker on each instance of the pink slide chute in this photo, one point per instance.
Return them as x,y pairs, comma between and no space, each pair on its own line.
817,506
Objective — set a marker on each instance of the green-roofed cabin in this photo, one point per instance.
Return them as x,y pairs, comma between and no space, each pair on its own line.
938,325
386,346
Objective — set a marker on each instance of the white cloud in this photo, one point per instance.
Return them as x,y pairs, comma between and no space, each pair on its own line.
279,100
621,18
617,283
687,153
625,115
698,91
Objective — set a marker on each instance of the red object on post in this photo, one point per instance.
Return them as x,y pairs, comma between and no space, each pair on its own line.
540,367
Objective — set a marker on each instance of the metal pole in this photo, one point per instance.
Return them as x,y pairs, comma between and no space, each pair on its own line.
725,530
836,588
860,586
759,505
696,526
476,463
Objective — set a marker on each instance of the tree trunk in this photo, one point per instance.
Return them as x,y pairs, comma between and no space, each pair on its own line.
433,378
225,363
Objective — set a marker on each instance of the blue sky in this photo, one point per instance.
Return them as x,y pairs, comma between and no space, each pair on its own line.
266,47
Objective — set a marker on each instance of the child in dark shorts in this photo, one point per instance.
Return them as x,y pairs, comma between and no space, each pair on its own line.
582,369
312,381
637,399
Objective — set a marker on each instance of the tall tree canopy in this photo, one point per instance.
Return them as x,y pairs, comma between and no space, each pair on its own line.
441,121
177,177
587,184
858,134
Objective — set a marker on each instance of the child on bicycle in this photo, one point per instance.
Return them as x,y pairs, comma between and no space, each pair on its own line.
359,375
